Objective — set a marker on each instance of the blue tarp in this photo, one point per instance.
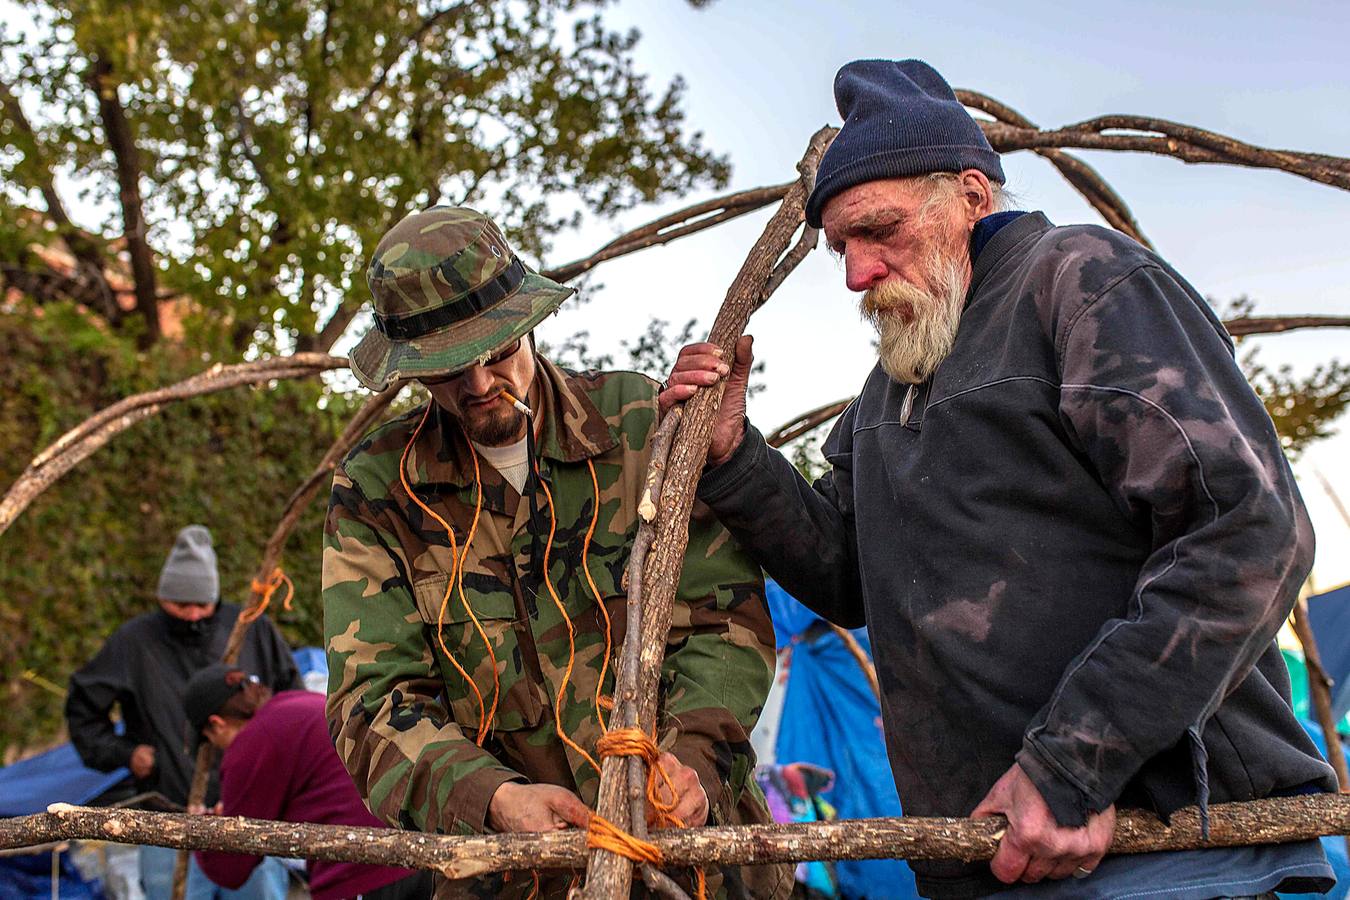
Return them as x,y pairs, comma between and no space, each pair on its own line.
831,719
54,777
1329,615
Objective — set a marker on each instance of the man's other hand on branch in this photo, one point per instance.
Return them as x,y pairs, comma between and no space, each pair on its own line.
702,365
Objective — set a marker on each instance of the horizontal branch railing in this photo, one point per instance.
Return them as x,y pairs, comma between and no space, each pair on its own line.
1256,822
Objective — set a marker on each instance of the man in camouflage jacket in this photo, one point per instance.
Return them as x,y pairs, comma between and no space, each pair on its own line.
1068,524
410,609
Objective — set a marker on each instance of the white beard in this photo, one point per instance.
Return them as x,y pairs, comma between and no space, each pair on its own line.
917,327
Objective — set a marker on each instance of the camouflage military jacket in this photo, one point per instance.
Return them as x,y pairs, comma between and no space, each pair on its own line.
404,720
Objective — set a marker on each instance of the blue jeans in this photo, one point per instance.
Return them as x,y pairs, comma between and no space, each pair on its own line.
268,881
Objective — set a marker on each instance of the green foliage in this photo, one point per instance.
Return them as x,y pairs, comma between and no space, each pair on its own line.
86,555
278,141
1303,407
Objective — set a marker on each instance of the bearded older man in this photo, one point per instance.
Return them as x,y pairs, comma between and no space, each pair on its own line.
1056,503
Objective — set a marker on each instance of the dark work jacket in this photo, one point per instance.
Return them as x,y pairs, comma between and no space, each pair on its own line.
144,668
1073,546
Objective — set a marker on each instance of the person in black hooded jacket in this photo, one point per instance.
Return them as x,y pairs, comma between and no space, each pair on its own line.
144,669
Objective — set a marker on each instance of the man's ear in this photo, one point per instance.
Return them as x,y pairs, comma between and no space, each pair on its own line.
977,194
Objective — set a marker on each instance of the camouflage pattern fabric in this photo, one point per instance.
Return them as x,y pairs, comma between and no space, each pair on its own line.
404,720
448,290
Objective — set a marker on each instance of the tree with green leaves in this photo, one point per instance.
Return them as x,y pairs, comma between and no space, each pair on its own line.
244,157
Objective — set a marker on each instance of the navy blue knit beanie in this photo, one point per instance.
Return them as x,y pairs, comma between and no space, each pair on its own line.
900,119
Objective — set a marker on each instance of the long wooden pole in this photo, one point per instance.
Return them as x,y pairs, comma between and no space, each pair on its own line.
1256,822
609,875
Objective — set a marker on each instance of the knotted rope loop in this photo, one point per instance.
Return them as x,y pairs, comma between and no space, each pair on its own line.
265,590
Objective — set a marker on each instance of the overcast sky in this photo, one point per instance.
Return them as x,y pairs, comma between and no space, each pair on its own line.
759,83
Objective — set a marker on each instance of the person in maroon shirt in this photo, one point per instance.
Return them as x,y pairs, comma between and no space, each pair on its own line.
278,763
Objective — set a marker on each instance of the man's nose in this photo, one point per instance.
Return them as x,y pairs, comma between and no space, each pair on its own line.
863,270
477,380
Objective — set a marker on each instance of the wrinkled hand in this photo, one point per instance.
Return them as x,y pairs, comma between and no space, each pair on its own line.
701,365
142,761
1035,846
535,807
201,809
690,799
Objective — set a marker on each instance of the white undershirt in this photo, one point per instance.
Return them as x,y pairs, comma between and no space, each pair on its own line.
512,460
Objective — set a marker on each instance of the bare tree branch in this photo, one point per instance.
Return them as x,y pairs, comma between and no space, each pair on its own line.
1253,823
91,281
691,220
76,445
126,155
1245,325
1192,145
608,874
1083,177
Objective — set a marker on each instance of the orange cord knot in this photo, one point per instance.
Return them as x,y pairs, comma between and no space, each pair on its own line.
636,742
601,834
264,590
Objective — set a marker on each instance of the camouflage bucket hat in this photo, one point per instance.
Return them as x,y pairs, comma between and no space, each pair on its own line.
448,292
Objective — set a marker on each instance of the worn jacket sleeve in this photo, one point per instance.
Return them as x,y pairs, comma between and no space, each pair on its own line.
93,691
1153,398
719,663
802,534
411,762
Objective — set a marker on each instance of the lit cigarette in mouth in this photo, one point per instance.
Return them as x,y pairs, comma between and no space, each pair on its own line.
518,405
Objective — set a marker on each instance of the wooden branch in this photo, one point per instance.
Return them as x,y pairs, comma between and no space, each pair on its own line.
806,422
681,223
859,656
1084,179
122,142
1191,145
1319,690
91,280
1256,822
608,874
1245,325
77,444
791,260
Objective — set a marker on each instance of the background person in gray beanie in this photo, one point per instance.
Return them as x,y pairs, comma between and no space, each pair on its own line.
1056,503
144,669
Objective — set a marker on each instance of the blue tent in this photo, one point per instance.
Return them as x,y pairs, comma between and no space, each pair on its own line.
831,719
1329,615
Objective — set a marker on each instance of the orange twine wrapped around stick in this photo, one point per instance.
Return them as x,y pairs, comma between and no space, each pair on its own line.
266,589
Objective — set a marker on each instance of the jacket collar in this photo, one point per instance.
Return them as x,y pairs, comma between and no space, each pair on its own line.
573,429
1006,238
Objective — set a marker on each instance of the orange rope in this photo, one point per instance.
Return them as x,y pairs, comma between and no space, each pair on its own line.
486,723
600,601
636,742
454,556
266,589
601,834
571,631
